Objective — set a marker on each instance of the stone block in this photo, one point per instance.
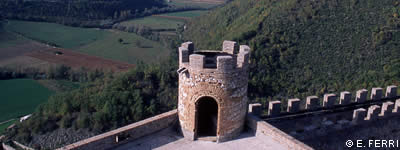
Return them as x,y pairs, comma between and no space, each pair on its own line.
225,63
244,49
230,47
396,107
391,91
373,112
376,93
189,46
312,102
358,116
183,55
387,109
255,109
329,100
293,105
243,56
196,61
274,108
345,98
361,96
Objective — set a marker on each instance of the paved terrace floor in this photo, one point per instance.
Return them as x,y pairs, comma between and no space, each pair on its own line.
168,139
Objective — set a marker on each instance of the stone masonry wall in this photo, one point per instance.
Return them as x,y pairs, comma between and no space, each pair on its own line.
125,134
262,128
226,83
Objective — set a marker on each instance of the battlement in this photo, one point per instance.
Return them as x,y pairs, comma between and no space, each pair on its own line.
231,57
331,100
326,114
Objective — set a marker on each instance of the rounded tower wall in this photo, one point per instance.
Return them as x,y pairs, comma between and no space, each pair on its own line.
218,74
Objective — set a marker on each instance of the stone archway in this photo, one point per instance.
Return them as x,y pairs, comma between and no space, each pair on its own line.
206,117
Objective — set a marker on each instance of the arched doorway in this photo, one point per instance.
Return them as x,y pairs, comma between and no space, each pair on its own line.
206,117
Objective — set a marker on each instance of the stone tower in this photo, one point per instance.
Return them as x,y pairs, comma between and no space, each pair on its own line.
213,91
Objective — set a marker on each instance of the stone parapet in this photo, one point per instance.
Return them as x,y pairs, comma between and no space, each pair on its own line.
376,93
274,108
373,112
293,105
387,109
255,109
345,98
329,100
130,132
359,115
361,96
264,129
391,91
312,102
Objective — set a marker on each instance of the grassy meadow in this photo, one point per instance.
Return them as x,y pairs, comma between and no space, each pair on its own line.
164,21
133,48
63,36
97,42
20,97
192,3
9,39
188,14
155,22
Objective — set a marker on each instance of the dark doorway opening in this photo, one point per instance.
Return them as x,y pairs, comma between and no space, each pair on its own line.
207,117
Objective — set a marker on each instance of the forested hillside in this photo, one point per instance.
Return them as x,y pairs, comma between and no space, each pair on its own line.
108,103
302,47
79,12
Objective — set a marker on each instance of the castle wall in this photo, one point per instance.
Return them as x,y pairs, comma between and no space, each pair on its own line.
264,129
22,146
130,132
312,103
7,147
321,121
225,88
221,75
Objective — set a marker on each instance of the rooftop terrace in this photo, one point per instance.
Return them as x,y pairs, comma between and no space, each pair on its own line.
168,139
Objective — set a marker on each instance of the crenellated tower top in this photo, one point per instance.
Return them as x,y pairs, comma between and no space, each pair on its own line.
213,91
231,58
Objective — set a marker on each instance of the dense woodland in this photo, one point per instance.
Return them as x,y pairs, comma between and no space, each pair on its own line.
84,13
302,48
299,48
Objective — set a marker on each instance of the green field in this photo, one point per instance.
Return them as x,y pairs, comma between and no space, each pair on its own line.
63,36
189,3
155,22
97,42
8,39
189,14
20,97
133,48
159,22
